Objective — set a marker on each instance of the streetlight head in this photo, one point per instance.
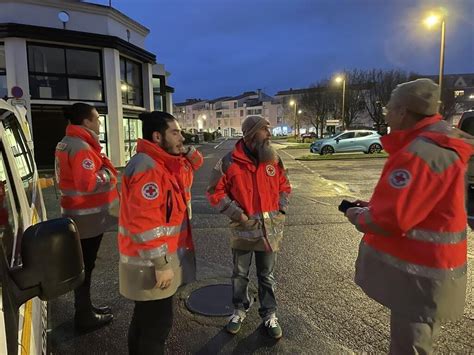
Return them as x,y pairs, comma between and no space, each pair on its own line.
339,79
292,102
300,112
432,20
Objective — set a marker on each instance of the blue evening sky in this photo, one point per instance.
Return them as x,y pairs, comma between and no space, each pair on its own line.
224,47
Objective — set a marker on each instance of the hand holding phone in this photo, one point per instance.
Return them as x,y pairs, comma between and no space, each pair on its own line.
345,205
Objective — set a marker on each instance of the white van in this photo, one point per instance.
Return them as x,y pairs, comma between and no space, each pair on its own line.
38,260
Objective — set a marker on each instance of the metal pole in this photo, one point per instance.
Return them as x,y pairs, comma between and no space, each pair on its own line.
343,101
297,122
294,114
441,58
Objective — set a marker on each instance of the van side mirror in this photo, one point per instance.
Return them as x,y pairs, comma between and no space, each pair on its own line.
51,257
52,265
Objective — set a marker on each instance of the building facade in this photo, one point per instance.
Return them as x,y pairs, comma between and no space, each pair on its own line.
62,52
226,114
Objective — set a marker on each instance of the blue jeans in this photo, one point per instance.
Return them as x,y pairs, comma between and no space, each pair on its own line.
265,263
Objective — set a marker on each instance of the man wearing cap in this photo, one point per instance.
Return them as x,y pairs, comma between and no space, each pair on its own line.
412,258
250,186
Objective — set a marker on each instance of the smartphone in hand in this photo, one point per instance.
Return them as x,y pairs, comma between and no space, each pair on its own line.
345,205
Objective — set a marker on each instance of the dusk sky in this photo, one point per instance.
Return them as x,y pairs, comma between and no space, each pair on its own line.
224,47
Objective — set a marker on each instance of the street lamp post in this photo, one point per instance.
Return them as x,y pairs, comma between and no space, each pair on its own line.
294,104
298,122
430,22
342,79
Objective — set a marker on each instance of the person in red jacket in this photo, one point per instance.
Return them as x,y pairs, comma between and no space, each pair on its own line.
155,241
88,184
192,161
251,187
413,256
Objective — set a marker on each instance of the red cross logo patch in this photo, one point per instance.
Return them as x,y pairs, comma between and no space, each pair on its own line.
150,191
270,170
399,178
88,164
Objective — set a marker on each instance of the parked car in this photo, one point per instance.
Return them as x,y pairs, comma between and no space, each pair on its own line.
349,141
466,124
308,135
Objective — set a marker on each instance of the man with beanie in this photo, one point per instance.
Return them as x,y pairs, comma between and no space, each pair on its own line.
155,242
88,184
412,258
250,186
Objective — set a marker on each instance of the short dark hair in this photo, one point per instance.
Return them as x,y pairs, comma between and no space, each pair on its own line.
78,112
156,121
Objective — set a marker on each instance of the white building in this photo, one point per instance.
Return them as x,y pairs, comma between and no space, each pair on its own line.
226,114
62,52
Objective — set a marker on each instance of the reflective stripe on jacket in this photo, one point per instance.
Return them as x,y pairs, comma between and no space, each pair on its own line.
87,182
414,252
154,230
240,185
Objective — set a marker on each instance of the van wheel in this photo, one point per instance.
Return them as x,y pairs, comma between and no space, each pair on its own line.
375,148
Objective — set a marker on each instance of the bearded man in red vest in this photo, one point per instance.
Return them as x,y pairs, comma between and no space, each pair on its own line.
250,186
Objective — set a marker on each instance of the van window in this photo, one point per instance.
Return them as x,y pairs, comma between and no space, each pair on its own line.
23,158
467,124
9,218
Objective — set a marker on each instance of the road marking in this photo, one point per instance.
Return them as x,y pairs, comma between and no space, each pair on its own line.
313,200
217,146
26,329
291,156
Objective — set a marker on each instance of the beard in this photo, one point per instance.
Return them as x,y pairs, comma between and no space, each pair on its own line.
170,148
265,152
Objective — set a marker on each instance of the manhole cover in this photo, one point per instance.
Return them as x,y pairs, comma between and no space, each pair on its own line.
212,300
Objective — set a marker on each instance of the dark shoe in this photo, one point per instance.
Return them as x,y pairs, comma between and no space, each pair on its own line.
273,328
235,322
102,309
87,321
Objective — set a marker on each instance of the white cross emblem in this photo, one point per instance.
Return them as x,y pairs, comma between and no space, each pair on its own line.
150,191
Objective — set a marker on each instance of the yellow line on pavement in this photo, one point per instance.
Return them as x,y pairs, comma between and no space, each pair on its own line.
26,332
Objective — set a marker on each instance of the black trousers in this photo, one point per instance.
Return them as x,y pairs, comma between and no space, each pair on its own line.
90,247
151,323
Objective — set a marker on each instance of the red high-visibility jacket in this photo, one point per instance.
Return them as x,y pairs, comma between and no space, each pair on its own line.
239,185
414,252
154,229
191,162
87,181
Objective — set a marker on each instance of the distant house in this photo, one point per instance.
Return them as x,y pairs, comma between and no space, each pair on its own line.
225,114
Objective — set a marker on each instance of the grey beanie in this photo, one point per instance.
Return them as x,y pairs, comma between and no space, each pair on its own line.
252,124
419,96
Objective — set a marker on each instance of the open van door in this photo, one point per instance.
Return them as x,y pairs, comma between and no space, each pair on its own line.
39,259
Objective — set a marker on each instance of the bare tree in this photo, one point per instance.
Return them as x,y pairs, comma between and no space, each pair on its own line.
317,104
380,85
355,86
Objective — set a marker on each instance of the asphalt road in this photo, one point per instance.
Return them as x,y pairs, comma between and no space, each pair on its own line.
321,310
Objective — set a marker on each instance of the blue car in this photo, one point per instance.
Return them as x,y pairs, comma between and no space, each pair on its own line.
349,141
